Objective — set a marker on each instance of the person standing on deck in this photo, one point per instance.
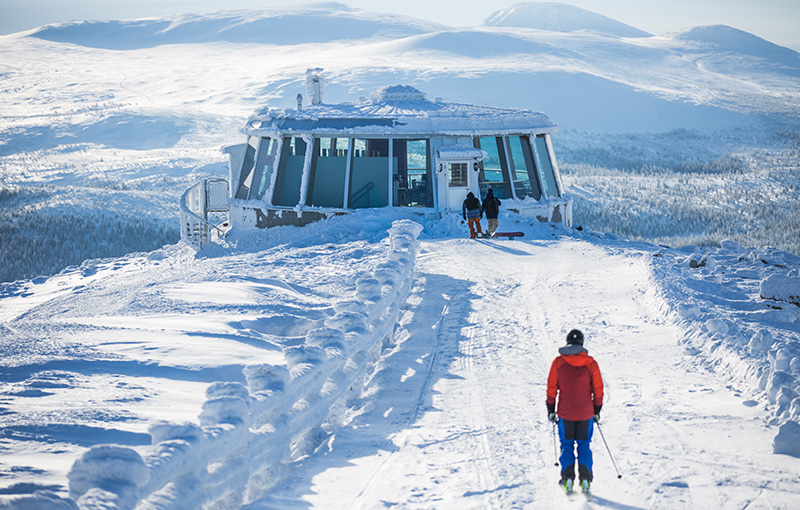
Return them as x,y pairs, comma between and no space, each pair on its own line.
574,401
471,211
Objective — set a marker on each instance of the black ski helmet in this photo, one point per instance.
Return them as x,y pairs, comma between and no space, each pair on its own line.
575,337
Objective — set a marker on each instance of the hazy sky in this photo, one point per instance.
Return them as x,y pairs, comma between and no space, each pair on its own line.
777,21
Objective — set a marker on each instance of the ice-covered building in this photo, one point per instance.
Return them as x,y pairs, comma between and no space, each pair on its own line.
394,149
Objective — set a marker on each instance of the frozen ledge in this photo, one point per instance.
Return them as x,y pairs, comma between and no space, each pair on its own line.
247,434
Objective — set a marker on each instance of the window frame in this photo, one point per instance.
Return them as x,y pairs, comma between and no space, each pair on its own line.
507,191
543,170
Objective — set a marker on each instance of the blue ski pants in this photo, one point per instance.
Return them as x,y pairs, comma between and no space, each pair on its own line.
576,436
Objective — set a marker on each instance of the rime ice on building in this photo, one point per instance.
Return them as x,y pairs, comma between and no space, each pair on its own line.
394,149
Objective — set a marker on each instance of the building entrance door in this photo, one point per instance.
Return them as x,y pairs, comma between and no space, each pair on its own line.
457,176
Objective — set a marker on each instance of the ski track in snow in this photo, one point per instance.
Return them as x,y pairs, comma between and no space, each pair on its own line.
459,419
453,413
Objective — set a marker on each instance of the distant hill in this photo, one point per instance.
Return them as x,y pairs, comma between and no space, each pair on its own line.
722,39
310,24
558,17
585,70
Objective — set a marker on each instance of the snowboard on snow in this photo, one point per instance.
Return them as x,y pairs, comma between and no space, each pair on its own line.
509,235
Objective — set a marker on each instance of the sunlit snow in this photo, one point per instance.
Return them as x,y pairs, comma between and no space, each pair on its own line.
381,359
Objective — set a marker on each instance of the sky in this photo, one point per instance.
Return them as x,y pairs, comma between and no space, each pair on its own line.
774,20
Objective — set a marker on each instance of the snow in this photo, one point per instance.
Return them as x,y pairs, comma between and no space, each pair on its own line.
461,335
397,93
398,109
322,22
787,441
558,17
729,39
381,358
781,288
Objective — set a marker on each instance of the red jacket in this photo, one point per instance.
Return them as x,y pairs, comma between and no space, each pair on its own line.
575,379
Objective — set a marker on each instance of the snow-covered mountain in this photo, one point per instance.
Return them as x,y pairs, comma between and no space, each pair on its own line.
724,40
315,23
694,78
558,17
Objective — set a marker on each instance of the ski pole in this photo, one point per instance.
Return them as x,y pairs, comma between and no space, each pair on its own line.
619,475
555,443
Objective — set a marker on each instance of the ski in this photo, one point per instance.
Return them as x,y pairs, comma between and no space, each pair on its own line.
573,492
586,489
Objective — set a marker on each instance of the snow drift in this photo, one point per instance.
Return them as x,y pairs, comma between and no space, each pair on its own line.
754,341
282,412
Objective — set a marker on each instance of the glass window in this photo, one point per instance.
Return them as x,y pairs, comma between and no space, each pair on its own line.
369,174
548,175
262,174
328,167
290,172
458,175
412,173
246,172
523,172
494,170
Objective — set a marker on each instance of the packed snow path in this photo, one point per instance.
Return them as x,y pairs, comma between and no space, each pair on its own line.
459,421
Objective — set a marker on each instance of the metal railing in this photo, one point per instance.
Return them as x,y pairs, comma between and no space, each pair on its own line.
206,196
360,199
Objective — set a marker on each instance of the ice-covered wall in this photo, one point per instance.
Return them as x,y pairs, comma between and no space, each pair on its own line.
248,433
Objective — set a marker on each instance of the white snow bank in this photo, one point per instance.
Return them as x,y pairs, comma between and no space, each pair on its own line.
781,288
788,439
282,413
40,500
739,310
108,471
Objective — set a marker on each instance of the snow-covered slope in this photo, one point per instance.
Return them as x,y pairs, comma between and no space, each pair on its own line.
670,80
731,40
558,17
331,366
318,23
593,67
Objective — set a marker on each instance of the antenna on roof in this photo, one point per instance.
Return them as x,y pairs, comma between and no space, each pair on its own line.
315,85
299,102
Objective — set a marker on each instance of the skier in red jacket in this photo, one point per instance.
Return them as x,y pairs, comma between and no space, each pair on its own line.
574,400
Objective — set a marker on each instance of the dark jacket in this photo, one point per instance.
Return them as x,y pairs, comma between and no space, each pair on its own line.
471,207
491,206
575,379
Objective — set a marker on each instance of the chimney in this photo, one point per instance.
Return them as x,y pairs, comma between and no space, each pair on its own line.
315,85
299,102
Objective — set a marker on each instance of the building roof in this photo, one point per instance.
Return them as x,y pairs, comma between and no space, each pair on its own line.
398,110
